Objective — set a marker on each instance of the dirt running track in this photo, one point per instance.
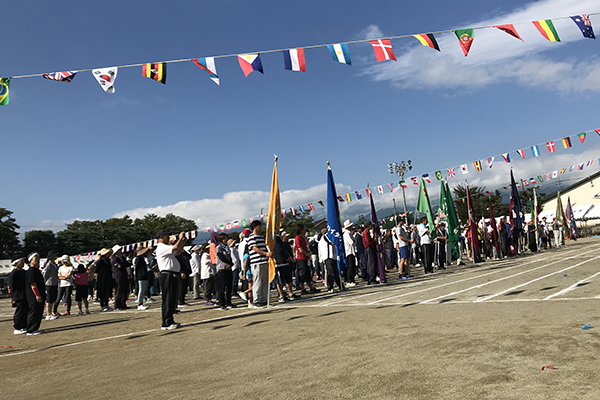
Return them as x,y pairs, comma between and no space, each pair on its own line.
471,332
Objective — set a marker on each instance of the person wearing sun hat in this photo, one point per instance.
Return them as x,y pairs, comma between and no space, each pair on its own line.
141,274
104,279
17,282
119,267
36,295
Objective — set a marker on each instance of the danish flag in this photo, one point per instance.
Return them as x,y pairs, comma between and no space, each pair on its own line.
383,49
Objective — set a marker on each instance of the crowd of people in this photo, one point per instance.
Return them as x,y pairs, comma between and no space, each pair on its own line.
223,269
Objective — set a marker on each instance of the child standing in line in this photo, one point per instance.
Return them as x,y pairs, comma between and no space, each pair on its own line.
81,292
247,276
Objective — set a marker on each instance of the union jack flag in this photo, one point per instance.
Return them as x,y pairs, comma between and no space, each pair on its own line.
451,172
64,76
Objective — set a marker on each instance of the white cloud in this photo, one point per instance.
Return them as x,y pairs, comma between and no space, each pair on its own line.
496,56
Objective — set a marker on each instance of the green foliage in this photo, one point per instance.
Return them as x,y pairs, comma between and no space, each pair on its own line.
290,222
9,240
527,195
481,204
40,241
360,220
86,236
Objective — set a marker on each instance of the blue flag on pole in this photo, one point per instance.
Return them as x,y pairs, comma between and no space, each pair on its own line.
334,228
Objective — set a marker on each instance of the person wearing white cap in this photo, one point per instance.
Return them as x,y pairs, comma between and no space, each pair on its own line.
350,247
17,281
196,262
65,284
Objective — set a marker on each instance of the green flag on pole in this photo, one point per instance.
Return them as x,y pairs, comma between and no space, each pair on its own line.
447,207
424,206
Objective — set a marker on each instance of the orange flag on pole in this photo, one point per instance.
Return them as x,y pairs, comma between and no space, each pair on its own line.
273,220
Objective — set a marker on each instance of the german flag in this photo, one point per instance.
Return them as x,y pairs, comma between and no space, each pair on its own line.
566,142
428,40
155,71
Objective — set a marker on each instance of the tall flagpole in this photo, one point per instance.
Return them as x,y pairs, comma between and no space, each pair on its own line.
470,221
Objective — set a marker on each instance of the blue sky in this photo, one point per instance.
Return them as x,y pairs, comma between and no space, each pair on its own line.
205,152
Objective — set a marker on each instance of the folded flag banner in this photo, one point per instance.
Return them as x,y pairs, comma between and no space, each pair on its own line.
490,161
311,206
566,142
510,29
506,157
535,151
584,23
521,153
464,168
597,131
155,71
548,177
340,53
340,199
403,184
426,177
4,89
465,38
358,195
294,60
428,40
236,224
380,189
451,172
551,146
383,50
64,76
438,175
477,165
546,28
250,63
414,180
208,64
390,187
581,137
348,197
321,203
106,78
589,163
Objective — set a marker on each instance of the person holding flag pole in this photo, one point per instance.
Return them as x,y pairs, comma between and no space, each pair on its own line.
334,233
473,228
516,213
426,227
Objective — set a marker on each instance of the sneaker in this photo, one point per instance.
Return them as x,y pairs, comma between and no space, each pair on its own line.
259,305
142,307
105,309
209,303
66,313
56,315
282,300
170,327
250,305
331,291
19,331
150,300
87,312
223,308
244,296
33,333
80,313
50,317
351,284
293,297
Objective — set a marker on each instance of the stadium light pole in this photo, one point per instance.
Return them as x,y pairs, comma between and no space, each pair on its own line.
399,169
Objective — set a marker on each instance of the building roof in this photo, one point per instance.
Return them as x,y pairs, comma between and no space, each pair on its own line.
577,184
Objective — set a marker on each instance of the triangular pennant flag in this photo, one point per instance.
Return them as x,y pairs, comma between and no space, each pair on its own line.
428,40
208,64
510,29
581,136
106,78
64,76
521,153
383,50
490,161
506,157
321,203
250,63
584,23
155,71
546,28
4,89
339,52
391,187
293,60
465,38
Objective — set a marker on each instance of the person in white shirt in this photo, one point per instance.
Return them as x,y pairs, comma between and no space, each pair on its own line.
402,242
195,262
235,269
327,256
350,248
426,246
169,270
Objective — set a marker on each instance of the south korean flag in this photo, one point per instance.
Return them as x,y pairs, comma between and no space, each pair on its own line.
106,78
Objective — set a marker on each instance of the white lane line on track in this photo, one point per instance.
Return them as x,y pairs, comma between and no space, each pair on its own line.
131,333
501,279
534,280
475,277
453,282
572,287
409,285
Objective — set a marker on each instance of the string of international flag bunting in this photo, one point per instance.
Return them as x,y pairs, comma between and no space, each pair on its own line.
294,58
451,172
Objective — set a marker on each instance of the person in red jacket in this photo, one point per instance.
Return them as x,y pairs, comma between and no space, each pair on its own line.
370,252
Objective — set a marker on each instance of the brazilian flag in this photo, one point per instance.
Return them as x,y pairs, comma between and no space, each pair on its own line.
4,85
